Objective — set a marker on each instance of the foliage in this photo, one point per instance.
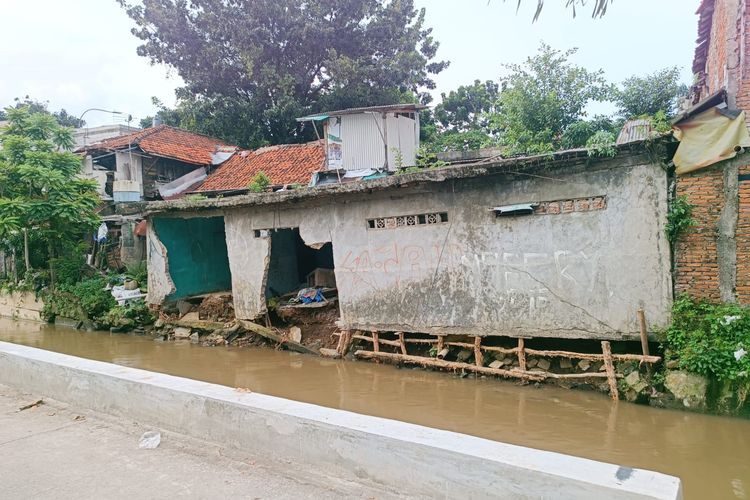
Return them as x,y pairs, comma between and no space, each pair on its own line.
93,297
251,69
650,94
602,144
63,118
259,183
600,7
138,273
39,184
542,97
679,218
425,159
135,312
468,108
708,339
577,134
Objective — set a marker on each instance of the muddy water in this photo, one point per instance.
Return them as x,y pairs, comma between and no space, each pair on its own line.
710,454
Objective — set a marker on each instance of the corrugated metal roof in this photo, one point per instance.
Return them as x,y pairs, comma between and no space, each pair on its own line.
405,108
635,130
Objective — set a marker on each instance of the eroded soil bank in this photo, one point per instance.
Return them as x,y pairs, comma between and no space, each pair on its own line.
710,454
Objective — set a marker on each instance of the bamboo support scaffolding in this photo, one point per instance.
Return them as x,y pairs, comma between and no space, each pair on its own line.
443,350
450,365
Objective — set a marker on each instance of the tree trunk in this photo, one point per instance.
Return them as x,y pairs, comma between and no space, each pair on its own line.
13,265
26,249
52,274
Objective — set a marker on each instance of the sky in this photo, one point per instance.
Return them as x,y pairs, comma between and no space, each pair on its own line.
79,54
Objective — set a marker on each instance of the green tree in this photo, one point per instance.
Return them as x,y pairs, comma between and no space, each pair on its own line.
468,107
269,61
64,119
647,95
542,97
40,189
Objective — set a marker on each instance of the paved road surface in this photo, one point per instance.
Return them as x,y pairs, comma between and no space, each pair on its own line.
54,451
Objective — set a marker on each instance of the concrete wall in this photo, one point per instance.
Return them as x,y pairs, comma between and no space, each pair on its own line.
21,305
582,273
418,461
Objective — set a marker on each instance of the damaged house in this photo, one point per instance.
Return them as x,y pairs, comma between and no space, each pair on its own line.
156,163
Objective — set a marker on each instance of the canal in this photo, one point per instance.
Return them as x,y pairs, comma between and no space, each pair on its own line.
710,454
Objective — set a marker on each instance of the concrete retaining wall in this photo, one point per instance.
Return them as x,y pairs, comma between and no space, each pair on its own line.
417,460
21,305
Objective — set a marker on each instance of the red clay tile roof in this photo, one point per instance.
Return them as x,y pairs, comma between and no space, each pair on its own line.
284,164
163,140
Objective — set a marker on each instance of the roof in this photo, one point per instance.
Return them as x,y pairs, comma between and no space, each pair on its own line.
712,100
284,164
705,21
634,153
166,141
638,129
388,108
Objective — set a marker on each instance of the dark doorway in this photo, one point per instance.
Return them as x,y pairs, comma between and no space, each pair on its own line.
292,262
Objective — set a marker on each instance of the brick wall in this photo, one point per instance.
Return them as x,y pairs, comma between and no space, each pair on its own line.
696,261
716,61
743,240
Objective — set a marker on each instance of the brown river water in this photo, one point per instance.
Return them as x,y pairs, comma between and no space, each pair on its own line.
711,454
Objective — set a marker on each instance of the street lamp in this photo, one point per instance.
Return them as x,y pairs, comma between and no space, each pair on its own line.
86,130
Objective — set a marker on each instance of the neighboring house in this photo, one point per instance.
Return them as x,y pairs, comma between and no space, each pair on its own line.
91,135
144,165
712,261
285,165
383,138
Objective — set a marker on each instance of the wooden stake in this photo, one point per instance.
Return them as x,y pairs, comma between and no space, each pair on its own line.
644,333
345,341
521,355
478,358
375,342
609,367
402,344
440,343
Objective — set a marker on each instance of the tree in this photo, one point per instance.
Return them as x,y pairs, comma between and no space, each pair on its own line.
647,95
269,61
40,189
468,107
64,119
542,97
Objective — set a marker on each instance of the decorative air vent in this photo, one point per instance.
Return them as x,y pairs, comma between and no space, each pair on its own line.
407,220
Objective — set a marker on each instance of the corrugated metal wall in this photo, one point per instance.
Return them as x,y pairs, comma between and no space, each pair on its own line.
403,136
362,137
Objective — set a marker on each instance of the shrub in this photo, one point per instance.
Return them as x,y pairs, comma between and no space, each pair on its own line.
710,339
92,297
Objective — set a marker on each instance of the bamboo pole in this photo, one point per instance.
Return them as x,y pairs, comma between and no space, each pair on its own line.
609,367
375,342
442,354
401,343
478,358
593,357
644,332
449,365
521,354
440,343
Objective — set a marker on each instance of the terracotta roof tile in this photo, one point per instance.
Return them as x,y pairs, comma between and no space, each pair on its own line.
284,164
163,140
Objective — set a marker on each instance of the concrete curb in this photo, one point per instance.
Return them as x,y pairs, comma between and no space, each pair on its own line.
419,461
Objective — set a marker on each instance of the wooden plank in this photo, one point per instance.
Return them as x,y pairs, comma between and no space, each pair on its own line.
271,335
610,369
592,356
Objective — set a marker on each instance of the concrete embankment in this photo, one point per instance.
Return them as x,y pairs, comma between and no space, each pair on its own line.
417,460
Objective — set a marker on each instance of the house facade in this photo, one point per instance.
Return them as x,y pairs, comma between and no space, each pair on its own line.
561,246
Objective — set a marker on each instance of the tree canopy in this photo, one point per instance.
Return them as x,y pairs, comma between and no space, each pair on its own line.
269,61
40,189
542,97
649,94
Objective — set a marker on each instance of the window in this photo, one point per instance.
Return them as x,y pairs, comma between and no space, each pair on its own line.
408,220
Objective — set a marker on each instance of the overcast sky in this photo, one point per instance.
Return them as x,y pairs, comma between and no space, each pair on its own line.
78,54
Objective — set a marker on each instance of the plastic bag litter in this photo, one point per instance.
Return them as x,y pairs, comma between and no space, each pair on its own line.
149,440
